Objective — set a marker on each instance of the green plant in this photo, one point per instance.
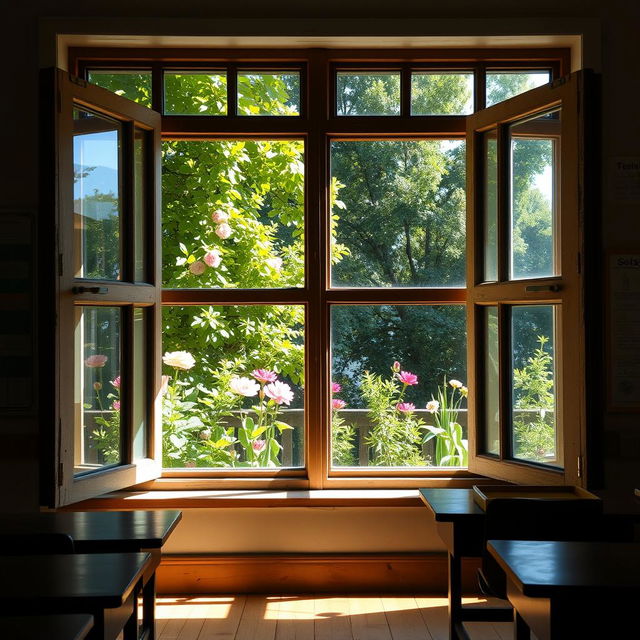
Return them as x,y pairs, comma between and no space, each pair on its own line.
342,433
106,437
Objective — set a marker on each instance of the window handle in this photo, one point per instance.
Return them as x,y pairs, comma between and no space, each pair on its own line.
100,290
542,287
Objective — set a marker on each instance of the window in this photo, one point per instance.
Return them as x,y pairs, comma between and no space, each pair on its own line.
320,321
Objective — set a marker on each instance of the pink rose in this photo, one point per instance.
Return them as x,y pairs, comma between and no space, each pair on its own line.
406,407
337,404
264,375
213,259
335,387
219,217
258,445
408,378
96,361
223,231
197,268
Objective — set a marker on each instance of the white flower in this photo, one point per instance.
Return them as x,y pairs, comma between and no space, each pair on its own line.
219,216
433,406
456,384
274,263
223,231
179,360
213,258
244,386
464,391
279,392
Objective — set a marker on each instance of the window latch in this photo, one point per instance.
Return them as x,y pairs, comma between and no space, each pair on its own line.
542,287
100,290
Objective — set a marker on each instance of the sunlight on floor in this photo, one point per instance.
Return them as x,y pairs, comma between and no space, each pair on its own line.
209,607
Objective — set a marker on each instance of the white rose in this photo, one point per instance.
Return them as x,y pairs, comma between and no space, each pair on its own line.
179,360
433,406
244,386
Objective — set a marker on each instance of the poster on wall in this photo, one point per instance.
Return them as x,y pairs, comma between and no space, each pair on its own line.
624,331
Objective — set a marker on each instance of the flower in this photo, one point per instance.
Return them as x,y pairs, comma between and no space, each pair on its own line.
219,216
258,445
279,392
223,231
396,366
197,268
264,375
97,386
337,404
205,434
116,382
96,361
456,384
179,360
274,263
336,387
433,406
243,386
408,378
406,407
165,384
464,391
116,405
213,258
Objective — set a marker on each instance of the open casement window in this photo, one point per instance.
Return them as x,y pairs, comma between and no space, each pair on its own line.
525,286
107,283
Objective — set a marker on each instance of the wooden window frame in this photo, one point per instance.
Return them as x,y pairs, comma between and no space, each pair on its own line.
317,125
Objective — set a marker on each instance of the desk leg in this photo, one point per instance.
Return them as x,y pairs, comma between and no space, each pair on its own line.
149,609
455,595
521,628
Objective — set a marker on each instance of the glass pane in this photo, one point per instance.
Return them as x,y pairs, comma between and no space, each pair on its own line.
534,166
233,386
140,204
398,213
233,214
490,218
140,380
436,94
96,195
374,93
506,84
97,391
268,94
397,397
195,93
491,395
533,384
133,85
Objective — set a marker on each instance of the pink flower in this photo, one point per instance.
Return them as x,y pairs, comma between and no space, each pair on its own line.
96,361
337,404
223,231
396,366
406,407
116,405
279,392
243,386
264,375
336,387
258,445
197,268
213,259
116,382
219,217
408,378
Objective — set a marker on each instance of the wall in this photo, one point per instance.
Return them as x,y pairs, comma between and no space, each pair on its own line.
27,40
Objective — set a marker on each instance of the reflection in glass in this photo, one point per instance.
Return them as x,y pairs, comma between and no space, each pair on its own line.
233,214
140,377
368,94
140,203
437,94
268,94
534,147
96,195
234,395
490,218
389,365
491,382
98,385
398,213
195,93
131,84
506,84
533,384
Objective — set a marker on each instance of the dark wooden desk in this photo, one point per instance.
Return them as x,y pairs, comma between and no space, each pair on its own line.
104,585
561,590
460,524
53,627
107,532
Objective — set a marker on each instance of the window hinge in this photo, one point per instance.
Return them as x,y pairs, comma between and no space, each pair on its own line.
60,473
579,466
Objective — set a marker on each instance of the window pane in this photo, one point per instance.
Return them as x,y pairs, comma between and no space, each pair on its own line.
392,367
96,195
491,379
98,383
233,214
534,147
140,204
506,84
140,381
234,393
133,85
435,94
490,218
398,213
195,93
268,94
533,384
374,93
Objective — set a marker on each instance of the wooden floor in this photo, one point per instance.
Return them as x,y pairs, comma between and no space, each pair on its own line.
322,617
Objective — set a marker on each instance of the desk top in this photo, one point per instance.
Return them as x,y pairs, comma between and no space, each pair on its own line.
72,626
545,569
452,505
62,581
98,531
